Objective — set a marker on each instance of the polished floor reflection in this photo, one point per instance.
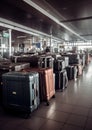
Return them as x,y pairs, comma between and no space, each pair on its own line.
70,110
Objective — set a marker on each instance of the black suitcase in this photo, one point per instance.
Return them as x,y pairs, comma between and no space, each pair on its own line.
7,67
71,72
61,80
20,91
2,71
0,91
59,65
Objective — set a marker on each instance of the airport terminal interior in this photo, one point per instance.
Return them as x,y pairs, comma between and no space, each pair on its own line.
46,65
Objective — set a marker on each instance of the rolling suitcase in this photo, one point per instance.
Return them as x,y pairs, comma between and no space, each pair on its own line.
69,70
20,91
61,80
49,84
7,67
0,91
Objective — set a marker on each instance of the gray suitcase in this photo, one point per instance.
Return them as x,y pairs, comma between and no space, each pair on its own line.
21,91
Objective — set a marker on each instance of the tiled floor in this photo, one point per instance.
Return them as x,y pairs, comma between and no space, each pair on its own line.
70,110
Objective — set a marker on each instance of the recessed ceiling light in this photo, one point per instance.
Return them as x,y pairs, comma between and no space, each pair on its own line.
21,36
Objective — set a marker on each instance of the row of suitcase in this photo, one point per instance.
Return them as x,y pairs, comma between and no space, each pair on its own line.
74,58
62,77
23,91
44,61
35,61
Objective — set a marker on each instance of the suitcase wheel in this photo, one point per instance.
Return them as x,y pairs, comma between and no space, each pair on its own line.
62,90
53,96
47,103
26,115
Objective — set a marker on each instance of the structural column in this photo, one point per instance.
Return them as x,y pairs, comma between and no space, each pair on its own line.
10,45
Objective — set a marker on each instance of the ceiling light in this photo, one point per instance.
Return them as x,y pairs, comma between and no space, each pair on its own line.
21,36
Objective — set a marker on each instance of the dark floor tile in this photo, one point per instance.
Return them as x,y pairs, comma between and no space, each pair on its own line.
80,111
69,110
59,116
61,107
52,125
34,123
11,124
21,128
42,112
87,129
70,101
83,103
65,108
71,127
89,124
90,113
77,120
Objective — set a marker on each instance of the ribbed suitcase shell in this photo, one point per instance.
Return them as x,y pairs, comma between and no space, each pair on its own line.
46,83
71,72
20,91
8,66
60,80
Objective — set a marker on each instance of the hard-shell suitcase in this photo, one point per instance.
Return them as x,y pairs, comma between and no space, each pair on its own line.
20,91
46,83
20,66
7,67
49,82
71,72
59,65
0,91
61,80
2,71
